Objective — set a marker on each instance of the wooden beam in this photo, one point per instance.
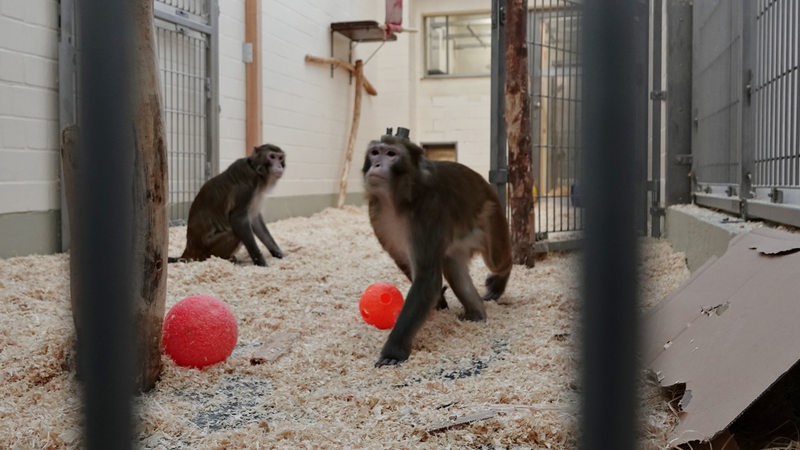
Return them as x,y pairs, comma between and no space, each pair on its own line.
518,126
368,87
252,76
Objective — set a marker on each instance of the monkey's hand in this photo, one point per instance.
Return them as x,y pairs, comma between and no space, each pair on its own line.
387,362
392,355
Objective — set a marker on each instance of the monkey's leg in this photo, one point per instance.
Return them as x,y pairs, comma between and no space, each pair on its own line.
240,223
224,245
425,291
497,256
260,228
456,272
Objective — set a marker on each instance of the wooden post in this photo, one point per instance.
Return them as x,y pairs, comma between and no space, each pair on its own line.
148,239
252,76
150,231
518,124
351,138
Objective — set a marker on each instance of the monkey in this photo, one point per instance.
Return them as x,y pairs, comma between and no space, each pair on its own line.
226,211
431,217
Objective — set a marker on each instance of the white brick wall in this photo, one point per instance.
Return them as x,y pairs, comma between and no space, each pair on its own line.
29,161
231,82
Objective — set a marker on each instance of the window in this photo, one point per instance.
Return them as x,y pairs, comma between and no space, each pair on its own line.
440,151
458,45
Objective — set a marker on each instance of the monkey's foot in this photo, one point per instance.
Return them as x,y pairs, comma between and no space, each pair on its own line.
473,316
384,361
495,285
442,304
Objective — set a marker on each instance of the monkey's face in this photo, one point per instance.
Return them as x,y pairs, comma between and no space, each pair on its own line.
382,164
269,160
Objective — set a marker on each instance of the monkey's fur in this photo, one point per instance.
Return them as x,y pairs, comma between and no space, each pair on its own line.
226,211
432,217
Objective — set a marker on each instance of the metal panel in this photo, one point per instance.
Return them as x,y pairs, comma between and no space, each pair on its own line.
554,43
185,33
498,161
677,163
776,160
746,142
717,93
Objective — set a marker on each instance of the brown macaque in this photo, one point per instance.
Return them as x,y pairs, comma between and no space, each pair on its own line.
226,211
432,217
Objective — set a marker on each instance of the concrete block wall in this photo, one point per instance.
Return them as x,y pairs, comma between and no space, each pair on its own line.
29,159
452,109
307,111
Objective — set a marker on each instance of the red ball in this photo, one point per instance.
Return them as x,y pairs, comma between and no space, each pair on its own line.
199,331
380,305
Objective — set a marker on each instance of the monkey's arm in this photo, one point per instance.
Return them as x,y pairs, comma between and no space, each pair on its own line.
425,292
240,224
260,228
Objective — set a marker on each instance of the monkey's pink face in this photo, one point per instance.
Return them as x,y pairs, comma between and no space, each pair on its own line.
276,164
378,165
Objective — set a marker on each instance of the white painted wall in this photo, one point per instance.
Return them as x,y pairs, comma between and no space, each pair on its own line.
29,160
231,82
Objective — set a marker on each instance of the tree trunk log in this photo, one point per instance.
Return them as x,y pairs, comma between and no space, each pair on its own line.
148,240
518,124
150,202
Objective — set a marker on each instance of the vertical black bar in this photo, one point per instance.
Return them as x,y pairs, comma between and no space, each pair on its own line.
655,126
609,314
106,353
498,161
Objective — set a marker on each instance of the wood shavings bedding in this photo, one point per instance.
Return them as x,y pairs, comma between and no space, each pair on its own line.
515,372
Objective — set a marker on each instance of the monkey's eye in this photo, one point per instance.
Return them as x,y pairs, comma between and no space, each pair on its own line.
391,153
373,152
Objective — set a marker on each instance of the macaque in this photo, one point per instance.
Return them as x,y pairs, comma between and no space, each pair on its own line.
431,217
226,211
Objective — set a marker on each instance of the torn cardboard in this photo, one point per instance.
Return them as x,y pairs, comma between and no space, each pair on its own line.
729,332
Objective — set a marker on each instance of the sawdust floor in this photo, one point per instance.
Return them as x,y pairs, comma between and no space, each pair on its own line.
515,373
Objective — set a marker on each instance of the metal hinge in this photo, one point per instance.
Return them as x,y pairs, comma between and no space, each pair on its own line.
498,176
658,95
775,195
683,160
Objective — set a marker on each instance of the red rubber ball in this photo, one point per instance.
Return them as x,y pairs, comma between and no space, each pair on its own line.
199,331
380,305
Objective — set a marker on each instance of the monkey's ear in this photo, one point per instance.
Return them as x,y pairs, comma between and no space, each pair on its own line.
262,169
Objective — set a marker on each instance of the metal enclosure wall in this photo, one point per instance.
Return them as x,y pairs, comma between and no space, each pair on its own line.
745,138
554,33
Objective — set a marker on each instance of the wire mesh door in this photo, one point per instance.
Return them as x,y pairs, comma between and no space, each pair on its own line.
185,36
554,38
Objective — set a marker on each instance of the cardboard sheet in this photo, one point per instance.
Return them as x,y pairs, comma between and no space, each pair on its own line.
729,332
